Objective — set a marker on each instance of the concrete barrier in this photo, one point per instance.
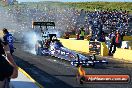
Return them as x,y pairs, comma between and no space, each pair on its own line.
74,36
104,49
77,45
24,80
30,78
82,46
125,54
127,38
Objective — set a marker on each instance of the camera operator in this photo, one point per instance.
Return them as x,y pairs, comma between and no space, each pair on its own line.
8,68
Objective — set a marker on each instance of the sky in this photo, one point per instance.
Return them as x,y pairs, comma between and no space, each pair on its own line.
73,0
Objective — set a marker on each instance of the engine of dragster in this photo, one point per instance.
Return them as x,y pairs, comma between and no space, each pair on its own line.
42,46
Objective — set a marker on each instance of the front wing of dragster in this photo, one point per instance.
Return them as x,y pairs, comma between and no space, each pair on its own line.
88,62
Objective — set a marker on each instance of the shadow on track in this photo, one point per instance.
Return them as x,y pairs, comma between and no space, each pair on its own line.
45,79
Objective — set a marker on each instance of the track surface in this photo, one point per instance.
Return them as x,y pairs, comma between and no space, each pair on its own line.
53,73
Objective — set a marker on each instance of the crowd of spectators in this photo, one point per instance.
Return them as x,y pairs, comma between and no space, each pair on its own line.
100,24
69,19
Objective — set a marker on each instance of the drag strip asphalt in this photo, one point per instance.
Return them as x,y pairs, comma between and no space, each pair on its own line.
54,73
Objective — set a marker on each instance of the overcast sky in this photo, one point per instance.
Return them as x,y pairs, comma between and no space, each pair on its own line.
72,0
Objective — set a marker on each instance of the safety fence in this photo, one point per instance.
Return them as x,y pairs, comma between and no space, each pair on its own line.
125,54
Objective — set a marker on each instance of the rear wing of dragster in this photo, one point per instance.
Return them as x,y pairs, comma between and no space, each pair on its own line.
42,24
46,24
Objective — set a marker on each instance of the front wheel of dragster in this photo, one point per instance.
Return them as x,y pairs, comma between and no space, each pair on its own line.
39,51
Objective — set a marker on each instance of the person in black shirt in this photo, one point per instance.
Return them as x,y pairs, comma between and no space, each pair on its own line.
4,55
112,44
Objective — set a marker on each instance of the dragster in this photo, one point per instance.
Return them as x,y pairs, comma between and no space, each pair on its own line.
76,59
50,45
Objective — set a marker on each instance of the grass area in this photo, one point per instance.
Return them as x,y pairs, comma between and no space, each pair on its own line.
102,5
89,6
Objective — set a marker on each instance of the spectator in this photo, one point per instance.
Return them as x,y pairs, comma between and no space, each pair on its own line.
82,33
8,68
122,36
112,44
107,41
66,35
118,39
77,35
102,37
